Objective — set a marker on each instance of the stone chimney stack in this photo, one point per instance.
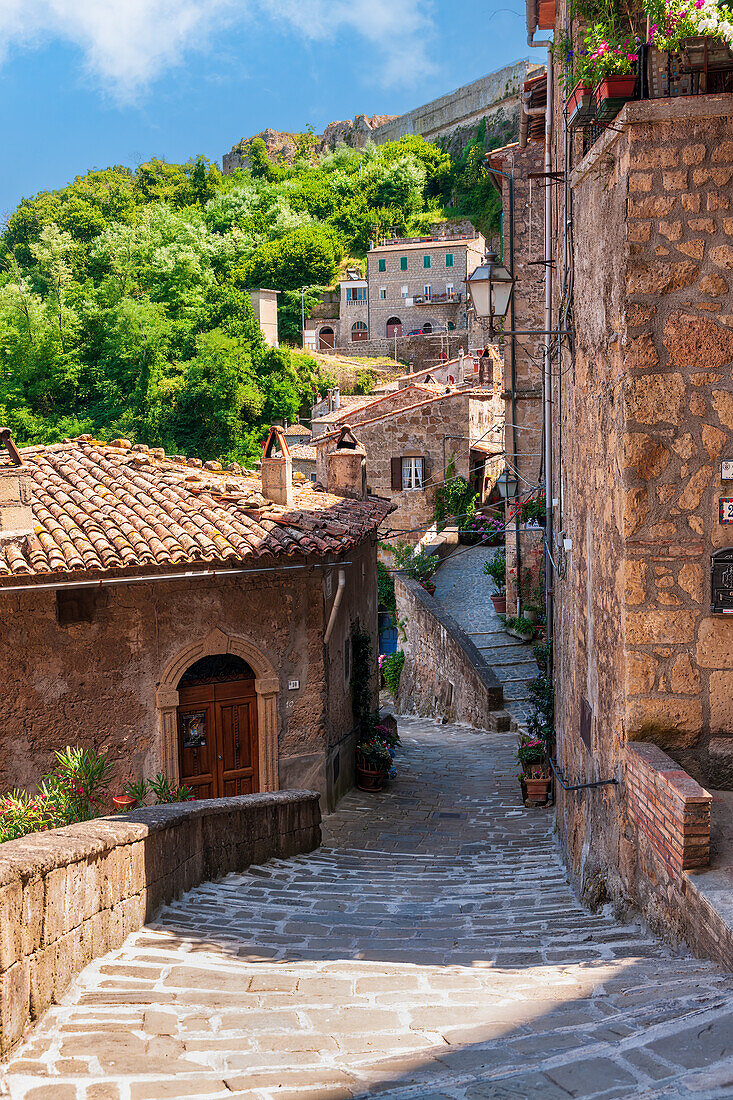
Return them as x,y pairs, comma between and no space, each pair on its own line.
16,514
336,399
347,467
277,469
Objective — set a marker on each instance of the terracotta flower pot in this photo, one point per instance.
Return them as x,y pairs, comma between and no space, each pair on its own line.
368,778
580,104
499,603
124,802
429,587
538,790
611,93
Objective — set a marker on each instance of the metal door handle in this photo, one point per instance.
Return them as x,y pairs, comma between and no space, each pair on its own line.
221,758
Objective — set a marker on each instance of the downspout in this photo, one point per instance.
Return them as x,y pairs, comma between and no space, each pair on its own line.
547,362
335,608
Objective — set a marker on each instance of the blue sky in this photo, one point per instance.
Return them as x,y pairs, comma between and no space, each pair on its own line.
88,83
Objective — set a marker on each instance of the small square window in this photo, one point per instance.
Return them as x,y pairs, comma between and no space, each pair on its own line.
412,473
382,265
449,259
403,263
426,261
382,292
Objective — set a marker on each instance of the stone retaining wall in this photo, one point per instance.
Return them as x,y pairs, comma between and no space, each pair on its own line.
70,895
444,675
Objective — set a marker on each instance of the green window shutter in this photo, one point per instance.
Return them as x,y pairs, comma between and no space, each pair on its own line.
382,265
449,259
426,261
403,263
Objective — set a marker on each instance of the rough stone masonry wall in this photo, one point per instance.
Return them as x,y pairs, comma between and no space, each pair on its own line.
648,413
70,895
444,674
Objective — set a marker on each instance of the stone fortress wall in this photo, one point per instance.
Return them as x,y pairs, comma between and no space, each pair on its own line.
451,118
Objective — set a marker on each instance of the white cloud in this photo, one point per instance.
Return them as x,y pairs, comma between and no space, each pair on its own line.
127,44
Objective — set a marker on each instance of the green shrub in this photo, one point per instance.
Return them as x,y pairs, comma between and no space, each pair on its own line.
418,564
495,568
391,668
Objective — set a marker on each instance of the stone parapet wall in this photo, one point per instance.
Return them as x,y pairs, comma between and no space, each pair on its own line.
70,895
420,351
444,674
669,806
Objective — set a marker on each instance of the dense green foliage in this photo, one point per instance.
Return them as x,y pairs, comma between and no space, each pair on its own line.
123,296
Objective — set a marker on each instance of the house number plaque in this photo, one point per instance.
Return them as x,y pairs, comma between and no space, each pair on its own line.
725,514
726,469
721,568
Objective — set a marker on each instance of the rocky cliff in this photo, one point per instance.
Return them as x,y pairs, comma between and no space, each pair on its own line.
282,146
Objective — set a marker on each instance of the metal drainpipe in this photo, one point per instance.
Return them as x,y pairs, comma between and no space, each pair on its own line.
547,362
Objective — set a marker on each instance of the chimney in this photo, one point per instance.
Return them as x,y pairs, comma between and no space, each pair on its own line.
330,400
16,514
347,467
277,469
336,399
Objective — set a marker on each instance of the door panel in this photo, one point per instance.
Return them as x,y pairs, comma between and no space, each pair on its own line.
217,731
197,741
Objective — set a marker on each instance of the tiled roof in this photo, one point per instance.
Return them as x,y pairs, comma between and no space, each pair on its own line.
302,451
101,507
387,414
296,430
349,402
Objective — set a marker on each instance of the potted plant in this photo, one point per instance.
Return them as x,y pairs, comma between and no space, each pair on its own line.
532,755
124,802
521,628
579,105
373,761
541,651
495,568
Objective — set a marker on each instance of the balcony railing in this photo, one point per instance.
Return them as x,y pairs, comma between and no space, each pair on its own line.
436,299
703,67
356,301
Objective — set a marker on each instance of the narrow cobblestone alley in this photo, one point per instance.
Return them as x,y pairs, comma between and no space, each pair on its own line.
430,949
463,589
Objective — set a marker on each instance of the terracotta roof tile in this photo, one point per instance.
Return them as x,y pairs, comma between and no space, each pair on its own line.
100,507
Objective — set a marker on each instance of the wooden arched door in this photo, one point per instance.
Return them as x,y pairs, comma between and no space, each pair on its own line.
217,728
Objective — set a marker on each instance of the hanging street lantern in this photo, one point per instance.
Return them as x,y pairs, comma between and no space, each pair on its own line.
490,287
507,483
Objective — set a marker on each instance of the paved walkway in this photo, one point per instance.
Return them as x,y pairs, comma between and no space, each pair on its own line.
465,593
431,949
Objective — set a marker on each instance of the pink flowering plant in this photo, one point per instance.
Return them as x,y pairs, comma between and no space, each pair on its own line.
672,21
606,52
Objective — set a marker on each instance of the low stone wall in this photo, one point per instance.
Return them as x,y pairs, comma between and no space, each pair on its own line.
444,674
421,351
70,895
669,806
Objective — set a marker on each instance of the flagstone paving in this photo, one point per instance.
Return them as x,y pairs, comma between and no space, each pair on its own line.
431,949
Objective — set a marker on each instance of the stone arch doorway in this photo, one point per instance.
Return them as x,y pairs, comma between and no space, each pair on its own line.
394,327
359,331
217,727
326,338
266,689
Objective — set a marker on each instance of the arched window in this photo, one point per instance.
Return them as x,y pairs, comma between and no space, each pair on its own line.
427,327
394,327
359,331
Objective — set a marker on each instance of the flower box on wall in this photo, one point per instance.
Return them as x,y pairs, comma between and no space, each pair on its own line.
580,104
611,93
704,52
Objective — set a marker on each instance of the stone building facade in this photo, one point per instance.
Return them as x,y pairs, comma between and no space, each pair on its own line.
418,284
134,585
410,438
643,419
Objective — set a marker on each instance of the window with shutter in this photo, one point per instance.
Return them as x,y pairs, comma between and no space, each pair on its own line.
397,474
413,473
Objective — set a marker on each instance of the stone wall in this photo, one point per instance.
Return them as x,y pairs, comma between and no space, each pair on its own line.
70,895
444,674
465,107
421,351
435,430
646,417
